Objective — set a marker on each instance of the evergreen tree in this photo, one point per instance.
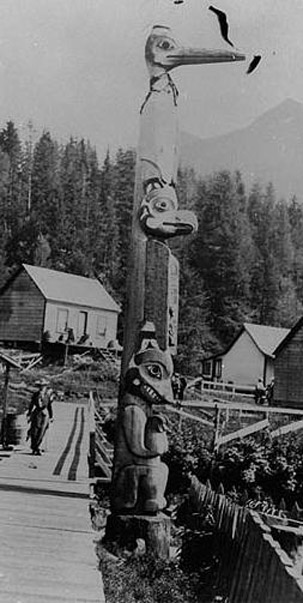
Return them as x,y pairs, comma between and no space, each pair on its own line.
122,194
59,209
222,251
45,185
107,251
4,180
271,274
22,243
283,252
10,146
70,249
195,338
295,215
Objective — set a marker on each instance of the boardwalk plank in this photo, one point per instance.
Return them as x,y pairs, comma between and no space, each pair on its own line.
47,548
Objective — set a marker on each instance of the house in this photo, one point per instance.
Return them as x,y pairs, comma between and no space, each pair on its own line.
288,388
41,305
248,358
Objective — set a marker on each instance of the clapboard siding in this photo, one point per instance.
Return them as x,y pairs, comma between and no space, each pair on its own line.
21,310
288,388
37,303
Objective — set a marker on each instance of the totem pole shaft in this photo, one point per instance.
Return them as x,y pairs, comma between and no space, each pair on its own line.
150,337
158,146
157,160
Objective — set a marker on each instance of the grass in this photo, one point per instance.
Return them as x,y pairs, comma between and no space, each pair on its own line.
130,579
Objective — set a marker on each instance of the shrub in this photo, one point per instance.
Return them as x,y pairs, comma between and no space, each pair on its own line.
189,452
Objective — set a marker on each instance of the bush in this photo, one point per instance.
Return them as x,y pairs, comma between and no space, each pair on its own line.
188,453
257,466
263,467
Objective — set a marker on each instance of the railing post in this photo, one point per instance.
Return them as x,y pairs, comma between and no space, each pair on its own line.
4,415
92,436
217,430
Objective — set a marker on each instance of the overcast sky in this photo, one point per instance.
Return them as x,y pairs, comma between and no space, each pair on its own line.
76,67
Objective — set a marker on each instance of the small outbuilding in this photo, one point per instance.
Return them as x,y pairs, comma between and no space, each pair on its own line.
288,387
249,357
40,305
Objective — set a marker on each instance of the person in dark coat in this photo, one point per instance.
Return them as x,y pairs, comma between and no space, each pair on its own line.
270,392
179,384
40,413
260,392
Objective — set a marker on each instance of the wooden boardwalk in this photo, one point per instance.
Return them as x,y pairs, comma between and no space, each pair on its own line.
47,548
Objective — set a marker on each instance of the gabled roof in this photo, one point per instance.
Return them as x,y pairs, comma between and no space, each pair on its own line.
70,288
289,336
266,338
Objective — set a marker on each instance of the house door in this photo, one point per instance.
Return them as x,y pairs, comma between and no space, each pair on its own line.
82,323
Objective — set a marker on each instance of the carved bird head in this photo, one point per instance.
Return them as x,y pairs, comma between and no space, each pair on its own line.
160,217
163,53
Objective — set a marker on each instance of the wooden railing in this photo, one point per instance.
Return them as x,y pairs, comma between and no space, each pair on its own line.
100,451
231,390
253,566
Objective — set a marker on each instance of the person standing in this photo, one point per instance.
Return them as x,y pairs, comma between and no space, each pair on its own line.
40,413
260,392
270,392
179,384
182,387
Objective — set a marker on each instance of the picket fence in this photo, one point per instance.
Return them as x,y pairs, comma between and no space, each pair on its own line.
253,566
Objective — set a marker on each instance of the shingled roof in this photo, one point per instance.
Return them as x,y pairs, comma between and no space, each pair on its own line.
71,289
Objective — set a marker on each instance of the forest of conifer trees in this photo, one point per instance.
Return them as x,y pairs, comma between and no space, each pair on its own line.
62,209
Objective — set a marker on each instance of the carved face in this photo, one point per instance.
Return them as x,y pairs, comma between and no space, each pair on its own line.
158,45
163,52
159,215
150,378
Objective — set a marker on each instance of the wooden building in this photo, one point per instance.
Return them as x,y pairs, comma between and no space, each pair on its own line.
249,357
41,305
288,387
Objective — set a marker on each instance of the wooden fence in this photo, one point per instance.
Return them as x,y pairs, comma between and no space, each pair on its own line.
253,566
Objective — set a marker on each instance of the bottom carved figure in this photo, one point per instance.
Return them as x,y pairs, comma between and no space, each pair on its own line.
140,476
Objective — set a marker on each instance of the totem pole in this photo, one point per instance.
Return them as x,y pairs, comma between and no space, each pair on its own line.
150,338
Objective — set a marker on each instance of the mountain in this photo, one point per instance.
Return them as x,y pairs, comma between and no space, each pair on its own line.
269,150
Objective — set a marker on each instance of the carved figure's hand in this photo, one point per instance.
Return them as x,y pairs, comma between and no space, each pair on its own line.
155,434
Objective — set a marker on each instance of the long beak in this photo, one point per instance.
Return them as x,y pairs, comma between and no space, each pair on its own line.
191,56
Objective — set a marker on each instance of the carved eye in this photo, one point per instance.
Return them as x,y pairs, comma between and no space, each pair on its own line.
154,370
165,45
161,205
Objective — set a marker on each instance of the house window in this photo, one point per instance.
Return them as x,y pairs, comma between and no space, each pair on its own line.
206,368
218,368
101,326
82,323
62,320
